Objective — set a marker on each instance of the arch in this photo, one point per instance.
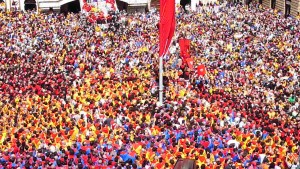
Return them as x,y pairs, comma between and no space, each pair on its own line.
29,4
183,3
121,5
73,6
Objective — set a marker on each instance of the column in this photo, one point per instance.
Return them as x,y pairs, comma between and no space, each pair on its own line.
22,5
8,5
193,4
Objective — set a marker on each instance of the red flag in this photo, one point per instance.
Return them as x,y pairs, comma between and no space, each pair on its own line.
112,3
87,7
184,48
92,18
201,71
166,25
190,63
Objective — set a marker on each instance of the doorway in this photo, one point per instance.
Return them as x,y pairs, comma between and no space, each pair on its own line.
74,6
273,4
287,8
184,3
122,6
30,5
71,7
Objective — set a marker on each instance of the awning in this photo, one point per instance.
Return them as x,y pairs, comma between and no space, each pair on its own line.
135,1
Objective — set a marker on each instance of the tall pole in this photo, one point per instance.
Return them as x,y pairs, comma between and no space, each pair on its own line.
166,32
19,1
161,88
7,6
37,6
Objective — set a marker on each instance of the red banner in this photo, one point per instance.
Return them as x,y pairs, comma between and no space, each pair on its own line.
166,25
184,48
190,63
112,3
201,70
87,7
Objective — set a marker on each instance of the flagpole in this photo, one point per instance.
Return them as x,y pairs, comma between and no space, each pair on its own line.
161,78
167,20
37,6
161,88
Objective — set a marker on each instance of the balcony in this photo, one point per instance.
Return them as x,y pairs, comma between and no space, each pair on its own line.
55,4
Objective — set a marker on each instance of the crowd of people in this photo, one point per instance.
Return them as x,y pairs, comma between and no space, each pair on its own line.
2,6
76,94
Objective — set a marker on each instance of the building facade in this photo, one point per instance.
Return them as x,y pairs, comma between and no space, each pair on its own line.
295,7
55,5
287,7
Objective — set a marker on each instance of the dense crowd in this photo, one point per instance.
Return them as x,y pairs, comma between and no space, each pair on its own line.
75,94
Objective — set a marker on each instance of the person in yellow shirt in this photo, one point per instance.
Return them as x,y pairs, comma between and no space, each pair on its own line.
298,15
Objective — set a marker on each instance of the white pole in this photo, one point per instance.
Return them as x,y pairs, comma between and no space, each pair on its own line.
193,5
161,88
37,6
7,5
161,71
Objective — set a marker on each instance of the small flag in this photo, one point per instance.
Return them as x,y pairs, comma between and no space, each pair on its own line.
201,70
184,48
190,63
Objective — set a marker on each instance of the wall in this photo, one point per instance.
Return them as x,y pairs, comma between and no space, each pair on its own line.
295,7
136,8
42,4
298,6
207,1
280,5
46,4
266,3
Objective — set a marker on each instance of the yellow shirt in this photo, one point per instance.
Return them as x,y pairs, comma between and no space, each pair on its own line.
97,29
3,137
181,93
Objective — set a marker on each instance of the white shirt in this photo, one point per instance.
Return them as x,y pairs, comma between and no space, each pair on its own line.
180,120
262,157
221,123
236,143
241,124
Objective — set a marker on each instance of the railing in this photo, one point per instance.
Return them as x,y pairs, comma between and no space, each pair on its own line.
52,3
135,1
